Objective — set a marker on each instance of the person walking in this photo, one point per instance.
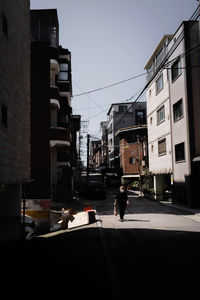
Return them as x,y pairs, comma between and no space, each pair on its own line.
120,202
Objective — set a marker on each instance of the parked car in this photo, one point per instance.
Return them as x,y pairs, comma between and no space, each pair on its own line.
30,228
111,178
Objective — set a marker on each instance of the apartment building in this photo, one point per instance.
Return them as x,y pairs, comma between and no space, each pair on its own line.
122,115
159,119
184,79
14,113
51,125
173,108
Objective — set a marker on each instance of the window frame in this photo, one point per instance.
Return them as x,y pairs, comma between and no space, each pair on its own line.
125,108
159,121
132,160
178,68
137,119
159,142
159,90
175,105
175,151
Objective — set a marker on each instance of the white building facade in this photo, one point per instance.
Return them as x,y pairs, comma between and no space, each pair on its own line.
173,107
159,120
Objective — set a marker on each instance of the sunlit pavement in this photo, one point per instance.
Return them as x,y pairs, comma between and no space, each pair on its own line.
157,242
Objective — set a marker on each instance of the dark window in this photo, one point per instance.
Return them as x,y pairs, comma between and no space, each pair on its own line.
132,160
122,108
4,25
175,69
140,117
4,115
180,152
162,147
178,110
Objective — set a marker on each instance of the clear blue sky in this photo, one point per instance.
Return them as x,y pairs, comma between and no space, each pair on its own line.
111,40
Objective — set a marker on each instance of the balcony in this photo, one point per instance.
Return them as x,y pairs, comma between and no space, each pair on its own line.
54,92
54,67
55,104
60,133
64,86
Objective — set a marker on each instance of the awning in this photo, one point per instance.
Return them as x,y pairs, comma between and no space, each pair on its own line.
131,176
57,143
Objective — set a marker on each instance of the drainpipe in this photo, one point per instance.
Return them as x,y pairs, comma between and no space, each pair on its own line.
170,120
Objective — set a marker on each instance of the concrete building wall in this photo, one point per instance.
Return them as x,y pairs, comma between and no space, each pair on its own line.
15,92
157,131
178,91
14,112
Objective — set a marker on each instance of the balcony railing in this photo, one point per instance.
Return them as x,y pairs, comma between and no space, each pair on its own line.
64,86
60,134
54,92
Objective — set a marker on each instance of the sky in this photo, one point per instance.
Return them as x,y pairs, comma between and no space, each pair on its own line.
111,41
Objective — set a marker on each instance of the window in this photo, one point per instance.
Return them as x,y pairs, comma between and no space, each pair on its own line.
122,108
178,110
159,84
132,160
175,69
63,67
161,115
149,93
140,117
162,147
4,115
63,76
180,152
4,25
160,55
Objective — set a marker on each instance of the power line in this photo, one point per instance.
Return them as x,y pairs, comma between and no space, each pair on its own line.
111,85
164,62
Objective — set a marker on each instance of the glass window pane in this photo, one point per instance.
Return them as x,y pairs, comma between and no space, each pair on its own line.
63,76
63,67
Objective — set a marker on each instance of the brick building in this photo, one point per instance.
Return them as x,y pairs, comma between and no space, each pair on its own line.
133,151
14,112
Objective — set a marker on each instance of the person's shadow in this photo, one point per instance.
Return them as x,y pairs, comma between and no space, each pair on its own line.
135,220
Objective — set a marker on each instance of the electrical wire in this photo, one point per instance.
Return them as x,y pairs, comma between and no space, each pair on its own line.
162,65
110,85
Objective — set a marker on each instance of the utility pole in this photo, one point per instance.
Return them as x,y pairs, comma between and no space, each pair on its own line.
88,145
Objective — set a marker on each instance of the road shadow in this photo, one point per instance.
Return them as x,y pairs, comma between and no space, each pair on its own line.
93,261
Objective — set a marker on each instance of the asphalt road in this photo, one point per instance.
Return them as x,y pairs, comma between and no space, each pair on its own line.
156,249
